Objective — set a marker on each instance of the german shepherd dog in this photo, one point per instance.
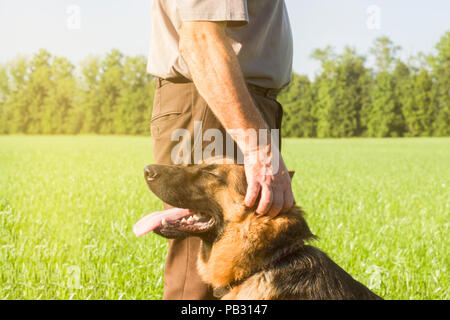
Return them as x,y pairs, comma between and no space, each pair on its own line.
243,255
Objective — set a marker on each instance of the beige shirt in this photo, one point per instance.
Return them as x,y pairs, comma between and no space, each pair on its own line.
259,29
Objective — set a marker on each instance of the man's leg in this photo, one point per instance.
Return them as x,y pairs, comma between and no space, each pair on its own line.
177,106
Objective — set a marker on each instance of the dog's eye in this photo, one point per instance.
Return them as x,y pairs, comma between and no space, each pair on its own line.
216,176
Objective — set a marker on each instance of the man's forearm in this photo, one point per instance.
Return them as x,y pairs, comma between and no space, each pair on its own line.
218,77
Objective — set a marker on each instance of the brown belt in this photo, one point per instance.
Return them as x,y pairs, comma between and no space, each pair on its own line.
160,82
268,92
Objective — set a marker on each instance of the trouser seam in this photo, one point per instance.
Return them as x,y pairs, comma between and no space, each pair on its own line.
186,267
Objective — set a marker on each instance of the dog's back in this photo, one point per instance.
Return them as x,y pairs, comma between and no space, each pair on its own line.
309,275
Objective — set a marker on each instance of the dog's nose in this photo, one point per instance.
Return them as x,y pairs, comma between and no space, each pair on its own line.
150,173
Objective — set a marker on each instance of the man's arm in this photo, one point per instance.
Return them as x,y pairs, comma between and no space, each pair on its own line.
217,75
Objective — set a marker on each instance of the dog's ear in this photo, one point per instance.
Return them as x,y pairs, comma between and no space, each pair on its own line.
291,173
239,181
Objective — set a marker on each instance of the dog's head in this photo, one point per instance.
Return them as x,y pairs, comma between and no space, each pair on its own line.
211,195
206,197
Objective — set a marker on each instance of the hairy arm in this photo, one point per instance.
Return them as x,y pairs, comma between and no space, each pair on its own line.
217,75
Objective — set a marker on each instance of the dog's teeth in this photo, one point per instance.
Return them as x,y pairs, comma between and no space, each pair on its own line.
196,217
163,222
183,220
190,219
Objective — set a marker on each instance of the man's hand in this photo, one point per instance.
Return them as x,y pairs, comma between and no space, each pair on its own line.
274,186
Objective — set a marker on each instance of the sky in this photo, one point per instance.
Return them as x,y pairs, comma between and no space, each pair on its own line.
28,25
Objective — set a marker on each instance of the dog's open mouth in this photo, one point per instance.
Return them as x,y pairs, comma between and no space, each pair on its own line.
174,220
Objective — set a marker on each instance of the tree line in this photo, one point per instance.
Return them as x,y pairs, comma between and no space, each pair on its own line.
48,95
393,99
113,94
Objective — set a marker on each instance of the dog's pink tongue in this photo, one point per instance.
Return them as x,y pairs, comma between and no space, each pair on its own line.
154,220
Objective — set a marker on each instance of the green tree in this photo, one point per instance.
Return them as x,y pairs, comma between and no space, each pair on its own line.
402,85
86,117
4,97
342,90
418,106
298,102
15,106
324,86
384,118
37,89
109,89
60,99
384,52
441,86
136,97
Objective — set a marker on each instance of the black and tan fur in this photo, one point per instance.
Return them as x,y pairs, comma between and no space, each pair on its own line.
245,255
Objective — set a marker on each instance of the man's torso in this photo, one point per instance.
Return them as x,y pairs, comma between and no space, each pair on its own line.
263,45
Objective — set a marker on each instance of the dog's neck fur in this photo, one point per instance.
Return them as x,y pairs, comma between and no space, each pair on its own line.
243,246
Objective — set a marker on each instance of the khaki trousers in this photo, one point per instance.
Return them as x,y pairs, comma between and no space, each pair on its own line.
177,106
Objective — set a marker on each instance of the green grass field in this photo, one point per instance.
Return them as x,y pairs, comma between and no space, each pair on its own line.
67,207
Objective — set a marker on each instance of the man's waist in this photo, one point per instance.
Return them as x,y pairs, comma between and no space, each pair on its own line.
268,92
